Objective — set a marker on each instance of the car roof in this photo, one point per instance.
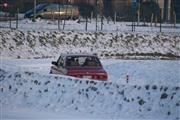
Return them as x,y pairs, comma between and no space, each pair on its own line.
75,54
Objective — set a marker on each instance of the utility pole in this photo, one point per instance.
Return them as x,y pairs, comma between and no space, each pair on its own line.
96,14
17,14
101,8
133,15
34,10
65,15
86,20
139,12
174,14
161,20
59,16
115,17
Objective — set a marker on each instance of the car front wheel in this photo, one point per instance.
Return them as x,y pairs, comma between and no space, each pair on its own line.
39,17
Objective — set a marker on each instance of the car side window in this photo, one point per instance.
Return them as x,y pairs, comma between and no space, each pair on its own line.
60,61
49,8
45,10
54,7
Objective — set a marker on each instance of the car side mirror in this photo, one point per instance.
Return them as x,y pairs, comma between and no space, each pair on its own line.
54,63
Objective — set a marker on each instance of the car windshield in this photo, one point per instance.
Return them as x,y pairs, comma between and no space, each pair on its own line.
39,7
82,61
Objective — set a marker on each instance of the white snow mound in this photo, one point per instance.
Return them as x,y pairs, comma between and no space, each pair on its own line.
113,100
45,44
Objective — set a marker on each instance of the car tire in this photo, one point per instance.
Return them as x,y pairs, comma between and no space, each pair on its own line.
39,17
74,18
68,18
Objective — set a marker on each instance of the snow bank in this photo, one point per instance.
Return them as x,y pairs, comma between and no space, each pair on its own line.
45,44
110,100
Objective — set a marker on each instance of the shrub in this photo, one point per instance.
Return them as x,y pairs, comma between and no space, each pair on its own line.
164,96
141,102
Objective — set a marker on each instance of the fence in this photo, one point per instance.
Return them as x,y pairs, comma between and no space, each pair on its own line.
88,24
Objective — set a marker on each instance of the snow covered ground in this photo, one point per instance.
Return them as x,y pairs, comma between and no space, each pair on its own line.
139,71
27,24
28,91
153,91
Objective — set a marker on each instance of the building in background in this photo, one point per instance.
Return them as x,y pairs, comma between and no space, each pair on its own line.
165,6
175,9
25,5
170,7
120,7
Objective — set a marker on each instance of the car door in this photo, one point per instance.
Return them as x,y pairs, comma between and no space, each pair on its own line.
56,11
48,12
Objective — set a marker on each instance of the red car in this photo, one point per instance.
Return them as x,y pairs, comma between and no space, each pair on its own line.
79,65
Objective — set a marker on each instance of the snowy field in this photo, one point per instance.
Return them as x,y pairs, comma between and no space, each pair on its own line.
153,91
155,72
27,24
148,57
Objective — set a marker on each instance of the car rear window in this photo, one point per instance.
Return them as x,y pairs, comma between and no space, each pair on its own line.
82,61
